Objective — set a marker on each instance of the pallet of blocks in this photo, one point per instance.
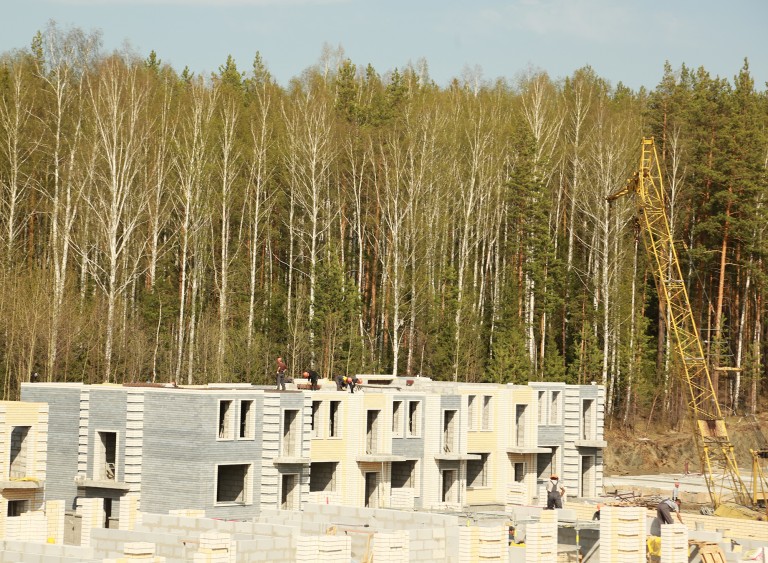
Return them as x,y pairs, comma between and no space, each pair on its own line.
674,543
622,534
541,543
708,552
323,549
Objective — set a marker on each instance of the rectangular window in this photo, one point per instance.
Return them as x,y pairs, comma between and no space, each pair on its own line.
315,423
232,484
588,419
18,466
106,457
414,419
291,436
16,508
471,415
554,412
520,425
487,412
542,408
397,419
449,434
246,419
334,430
322,476
226,430
372,432
403,474
477,471
519,472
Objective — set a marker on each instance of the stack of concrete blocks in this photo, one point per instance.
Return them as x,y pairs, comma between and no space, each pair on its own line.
215,547
138,551
54,514
323,549
542,498
674,543
622,534
91,512
187,513
129,511
324,497
483,543
402,498
393,547
517,495
541,541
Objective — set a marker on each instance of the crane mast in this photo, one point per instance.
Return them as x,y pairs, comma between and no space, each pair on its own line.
729,494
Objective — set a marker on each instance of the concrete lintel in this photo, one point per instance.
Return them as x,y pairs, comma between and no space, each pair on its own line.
379,458
103,484
457,457
591,444
292,461
19,484
531,450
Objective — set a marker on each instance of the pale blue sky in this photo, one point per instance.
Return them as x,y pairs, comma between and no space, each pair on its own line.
621,40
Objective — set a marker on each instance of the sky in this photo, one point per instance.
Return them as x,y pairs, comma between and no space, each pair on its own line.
623,41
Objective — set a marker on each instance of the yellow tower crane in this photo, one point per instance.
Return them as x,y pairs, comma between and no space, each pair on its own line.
730,496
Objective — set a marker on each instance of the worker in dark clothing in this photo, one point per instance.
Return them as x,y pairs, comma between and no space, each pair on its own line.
280,377
351,383
340,383
665,509
596,515
313,376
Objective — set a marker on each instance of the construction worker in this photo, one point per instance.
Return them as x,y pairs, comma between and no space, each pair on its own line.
665,509
280,376
676,490
554,493
313,376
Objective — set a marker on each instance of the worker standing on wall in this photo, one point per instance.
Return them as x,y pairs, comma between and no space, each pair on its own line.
280,377
312,376
554,492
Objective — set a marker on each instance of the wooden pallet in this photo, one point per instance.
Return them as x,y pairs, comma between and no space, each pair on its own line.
709,552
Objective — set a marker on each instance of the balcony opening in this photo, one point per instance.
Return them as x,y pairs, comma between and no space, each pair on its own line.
107,457
231,483
18,465
587,476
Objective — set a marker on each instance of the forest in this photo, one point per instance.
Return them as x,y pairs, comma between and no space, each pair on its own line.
158,225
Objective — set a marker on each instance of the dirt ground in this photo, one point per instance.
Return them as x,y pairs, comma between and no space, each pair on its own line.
665,451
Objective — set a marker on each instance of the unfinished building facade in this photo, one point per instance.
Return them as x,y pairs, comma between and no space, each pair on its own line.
237,450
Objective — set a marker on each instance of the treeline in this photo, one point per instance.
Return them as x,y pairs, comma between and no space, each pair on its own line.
162,226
